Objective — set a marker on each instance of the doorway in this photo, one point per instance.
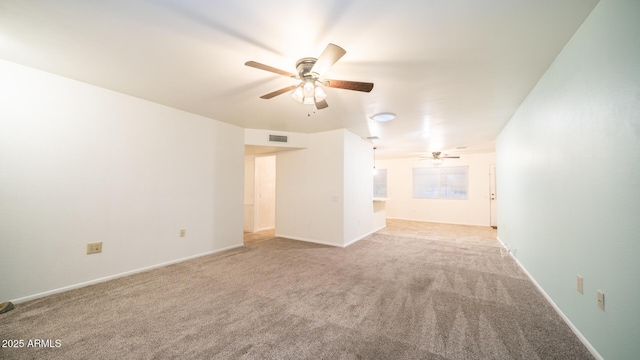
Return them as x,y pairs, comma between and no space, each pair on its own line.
259,193
265,193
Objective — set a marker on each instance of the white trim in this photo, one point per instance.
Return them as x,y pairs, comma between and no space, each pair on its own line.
126,273
573,328
308,240
363,236
435,221
265,228
328,243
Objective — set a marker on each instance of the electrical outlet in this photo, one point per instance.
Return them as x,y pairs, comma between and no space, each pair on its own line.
94,248
183,232
580,287
601,300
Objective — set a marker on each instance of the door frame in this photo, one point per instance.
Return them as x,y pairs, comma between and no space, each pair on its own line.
493,197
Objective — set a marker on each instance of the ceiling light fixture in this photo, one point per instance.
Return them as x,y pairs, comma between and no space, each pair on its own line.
375,171
383,117
308,92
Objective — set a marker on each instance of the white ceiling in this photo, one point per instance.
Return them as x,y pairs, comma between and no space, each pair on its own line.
454,71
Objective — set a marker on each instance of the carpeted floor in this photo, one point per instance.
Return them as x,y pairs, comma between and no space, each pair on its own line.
258,236
410,291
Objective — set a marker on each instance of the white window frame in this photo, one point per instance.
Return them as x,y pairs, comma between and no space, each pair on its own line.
441,183
380,182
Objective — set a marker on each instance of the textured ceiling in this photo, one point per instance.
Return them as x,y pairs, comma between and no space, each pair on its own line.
454,71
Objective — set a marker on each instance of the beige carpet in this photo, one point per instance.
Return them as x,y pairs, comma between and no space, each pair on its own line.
411,291
258,236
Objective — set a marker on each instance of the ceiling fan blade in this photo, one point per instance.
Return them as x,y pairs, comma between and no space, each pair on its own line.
329,56
260,66
349,85
278,92
322,105
449,157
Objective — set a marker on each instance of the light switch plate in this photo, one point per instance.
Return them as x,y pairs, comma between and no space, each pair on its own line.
580,285
601,300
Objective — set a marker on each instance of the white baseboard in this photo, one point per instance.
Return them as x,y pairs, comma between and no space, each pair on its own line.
115,276
328,243
363,236
437,221
265,228
307,240
575,330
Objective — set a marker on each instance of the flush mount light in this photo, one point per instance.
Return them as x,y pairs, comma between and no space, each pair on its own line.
383,117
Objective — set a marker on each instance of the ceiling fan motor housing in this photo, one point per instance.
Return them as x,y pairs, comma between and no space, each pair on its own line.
304,67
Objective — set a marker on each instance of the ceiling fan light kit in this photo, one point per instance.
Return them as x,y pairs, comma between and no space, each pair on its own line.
319,94
308,93
310,70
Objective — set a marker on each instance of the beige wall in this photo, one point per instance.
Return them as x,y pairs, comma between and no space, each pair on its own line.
473,211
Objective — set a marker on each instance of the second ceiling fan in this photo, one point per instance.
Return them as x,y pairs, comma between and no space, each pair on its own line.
310,71
437,157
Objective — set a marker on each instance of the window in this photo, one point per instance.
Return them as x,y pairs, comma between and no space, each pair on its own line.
380,183
440,183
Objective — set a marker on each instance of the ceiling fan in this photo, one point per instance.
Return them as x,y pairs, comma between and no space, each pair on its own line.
310,71
437,157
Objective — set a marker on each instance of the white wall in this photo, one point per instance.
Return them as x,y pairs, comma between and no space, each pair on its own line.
358,188
83,164
473,211
309,191
260,137
323,192
249,190
569,179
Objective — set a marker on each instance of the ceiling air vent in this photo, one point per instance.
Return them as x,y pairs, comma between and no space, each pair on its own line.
278,138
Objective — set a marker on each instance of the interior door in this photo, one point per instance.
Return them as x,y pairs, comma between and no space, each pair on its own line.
493,201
